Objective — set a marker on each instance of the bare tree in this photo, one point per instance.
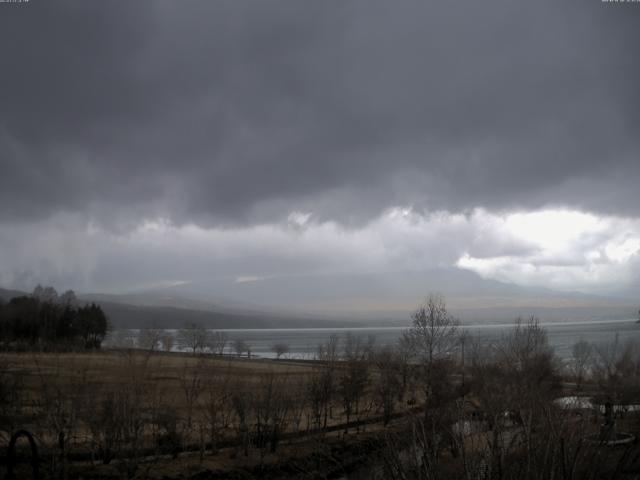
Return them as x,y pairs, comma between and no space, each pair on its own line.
315,399
166,341
323,385
387,383
193,337
354,376
328,351
297,390
511,428
131,404
149,338
280,349
105,422
218,342
404,353
529,377
369,347
122,339
11,401
192,385
240,346
433,337
68,298
269,405
45,294
216,405
58,404
616,369
581,354
240,400
434,332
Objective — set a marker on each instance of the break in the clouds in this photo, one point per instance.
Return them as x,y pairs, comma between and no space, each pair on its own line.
564,250
152,142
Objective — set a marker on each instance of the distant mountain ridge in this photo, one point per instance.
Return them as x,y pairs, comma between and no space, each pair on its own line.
143,313
347,300
390,297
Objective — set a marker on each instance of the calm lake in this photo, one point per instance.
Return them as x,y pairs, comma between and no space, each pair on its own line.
303,342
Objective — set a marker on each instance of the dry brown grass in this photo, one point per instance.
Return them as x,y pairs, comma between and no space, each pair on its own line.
80,384
87,372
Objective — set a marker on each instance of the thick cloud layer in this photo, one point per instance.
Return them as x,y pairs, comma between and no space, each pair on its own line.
148,142
236,112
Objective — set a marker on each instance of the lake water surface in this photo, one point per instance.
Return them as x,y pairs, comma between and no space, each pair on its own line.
303,342
562,335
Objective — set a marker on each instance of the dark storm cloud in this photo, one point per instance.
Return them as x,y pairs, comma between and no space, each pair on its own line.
243,111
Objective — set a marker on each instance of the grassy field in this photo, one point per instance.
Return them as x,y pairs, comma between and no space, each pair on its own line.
125,414
156,370
171,411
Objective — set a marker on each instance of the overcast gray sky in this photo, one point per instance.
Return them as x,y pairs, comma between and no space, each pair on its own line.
153,142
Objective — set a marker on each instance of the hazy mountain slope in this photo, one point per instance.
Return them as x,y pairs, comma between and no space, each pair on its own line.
177,299
339,300
8,294
390,297
122,315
